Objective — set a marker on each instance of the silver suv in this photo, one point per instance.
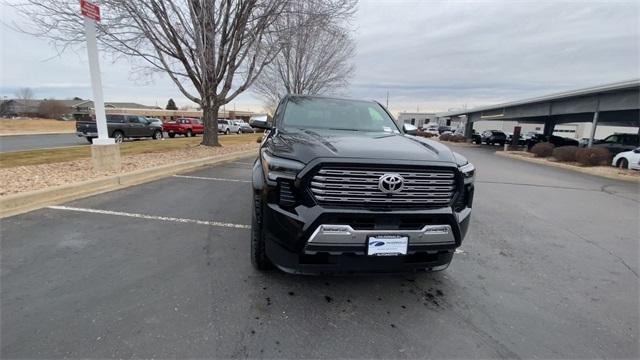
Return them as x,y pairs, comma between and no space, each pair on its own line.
227,126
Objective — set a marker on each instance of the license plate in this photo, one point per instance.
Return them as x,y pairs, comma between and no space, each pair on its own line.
387,245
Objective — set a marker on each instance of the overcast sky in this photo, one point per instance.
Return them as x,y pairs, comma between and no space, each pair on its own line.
429,55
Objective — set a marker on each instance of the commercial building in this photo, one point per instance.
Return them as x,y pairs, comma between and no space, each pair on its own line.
591,112
418,119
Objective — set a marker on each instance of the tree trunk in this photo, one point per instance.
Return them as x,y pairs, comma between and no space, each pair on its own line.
210,119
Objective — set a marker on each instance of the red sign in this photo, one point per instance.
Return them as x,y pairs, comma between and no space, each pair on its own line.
90,10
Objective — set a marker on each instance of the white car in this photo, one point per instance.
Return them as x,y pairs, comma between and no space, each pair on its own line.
627,160
227,126
432,129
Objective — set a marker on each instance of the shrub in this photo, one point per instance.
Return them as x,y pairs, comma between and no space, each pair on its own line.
457,138
593,156
543,149
445,137
259,139
565,153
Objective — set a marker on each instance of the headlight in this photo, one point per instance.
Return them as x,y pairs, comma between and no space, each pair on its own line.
279,168
468,172
466,168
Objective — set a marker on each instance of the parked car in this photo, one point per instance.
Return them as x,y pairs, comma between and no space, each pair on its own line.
475,137
432,129
521,140
245,128
442,129
618,143
553,139
584,142
337,188
627,159
183,126
120,127
155,121
492,137
227,126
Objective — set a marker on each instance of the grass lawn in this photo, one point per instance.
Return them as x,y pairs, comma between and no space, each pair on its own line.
35,126
35,157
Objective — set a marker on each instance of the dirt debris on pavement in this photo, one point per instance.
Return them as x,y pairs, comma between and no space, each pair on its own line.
36,177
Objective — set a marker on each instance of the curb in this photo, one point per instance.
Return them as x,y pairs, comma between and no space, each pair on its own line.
567,167
28,201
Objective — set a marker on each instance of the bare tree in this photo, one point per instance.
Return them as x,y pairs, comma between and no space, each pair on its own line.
52,109
24,94
213,50
317,52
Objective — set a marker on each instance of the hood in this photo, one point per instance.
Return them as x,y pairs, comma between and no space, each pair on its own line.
306,145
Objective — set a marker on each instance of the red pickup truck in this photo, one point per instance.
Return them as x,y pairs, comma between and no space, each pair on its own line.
183,126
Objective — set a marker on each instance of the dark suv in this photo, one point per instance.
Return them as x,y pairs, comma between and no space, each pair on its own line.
339,187
619,142
492,137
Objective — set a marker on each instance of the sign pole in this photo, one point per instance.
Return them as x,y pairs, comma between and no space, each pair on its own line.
96,83
105,153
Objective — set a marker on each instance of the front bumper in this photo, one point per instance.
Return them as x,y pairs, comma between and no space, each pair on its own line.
318,240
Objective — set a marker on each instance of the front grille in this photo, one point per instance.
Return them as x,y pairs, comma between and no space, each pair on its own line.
348,187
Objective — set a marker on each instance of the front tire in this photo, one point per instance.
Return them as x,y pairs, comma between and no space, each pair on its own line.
189,133
118,137
227,132
157,135
623,163
89,139
259,258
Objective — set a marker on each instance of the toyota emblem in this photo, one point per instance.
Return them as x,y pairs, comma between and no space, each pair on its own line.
390,183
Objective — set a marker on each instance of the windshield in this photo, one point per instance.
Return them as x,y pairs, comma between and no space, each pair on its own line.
613,139
335,114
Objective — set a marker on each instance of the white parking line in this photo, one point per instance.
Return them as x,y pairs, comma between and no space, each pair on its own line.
152,217
210,178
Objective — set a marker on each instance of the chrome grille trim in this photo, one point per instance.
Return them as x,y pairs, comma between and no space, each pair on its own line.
357,187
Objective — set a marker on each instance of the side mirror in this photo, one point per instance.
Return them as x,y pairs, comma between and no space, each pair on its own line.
260,124
637,151
410,129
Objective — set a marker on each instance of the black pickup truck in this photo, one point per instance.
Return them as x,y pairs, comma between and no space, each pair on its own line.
121,127
339,187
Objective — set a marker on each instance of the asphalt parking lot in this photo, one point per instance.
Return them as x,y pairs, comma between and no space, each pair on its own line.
39,141
549,270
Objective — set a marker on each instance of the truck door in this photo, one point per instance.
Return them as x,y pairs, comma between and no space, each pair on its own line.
146,130
134,127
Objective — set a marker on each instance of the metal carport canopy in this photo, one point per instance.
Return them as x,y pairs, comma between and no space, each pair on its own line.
617,104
